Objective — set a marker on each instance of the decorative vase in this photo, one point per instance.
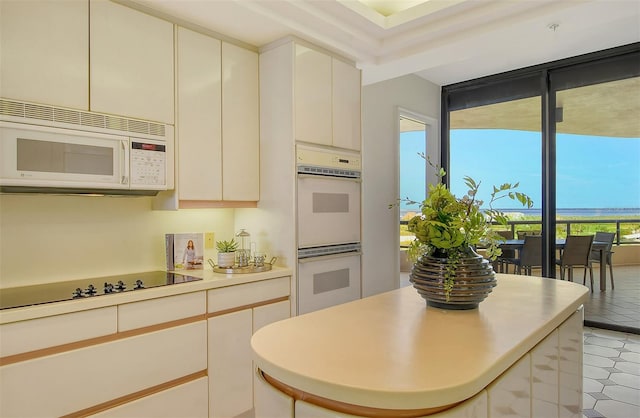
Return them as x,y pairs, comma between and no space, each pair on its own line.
472,274
226,259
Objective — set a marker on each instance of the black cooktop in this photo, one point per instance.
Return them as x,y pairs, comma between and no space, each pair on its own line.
15,297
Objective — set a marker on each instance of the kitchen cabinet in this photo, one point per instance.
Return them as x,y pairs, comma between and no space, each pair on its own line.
236,312
131,63
312,87
187,400
327,100
217,123
44,52
347,120
240,124
94,376
199,121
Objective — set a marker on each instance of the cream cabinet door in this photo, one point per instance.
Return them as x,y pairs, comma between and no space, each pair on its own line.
44,52
267,314
188,400
240,124
312,91
346,105
131,66
199,117
74,380
230,364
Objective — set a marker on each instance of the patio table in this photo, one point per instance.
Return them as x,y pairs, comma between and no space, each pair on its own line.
600,246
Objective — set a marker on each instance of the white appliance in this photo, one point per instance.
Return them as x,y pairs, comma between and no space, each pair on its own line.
49,156
328,206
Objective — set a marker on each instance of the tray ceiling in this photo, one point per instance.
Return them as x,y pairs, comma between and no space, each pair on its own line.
443,41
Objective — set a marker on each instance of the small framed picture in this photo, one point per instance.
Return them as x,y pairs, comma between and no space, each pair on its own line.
185,251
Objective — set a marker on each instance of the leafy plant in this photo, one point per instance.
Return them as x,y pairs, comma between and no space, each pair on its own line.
227,246
447,226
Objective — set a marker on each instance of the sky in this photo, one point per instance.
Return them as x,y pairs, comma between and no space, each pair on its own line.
592,171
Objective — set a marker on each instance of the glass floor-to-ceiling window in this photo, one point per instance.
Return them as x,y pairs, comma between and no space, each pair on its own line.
567,131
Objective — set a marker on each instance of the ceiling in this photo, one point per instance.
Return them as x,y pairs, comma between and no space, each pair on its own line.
443,41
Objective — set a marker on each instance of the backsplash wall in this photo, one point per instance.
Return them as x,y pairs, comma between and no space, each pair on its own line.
46,238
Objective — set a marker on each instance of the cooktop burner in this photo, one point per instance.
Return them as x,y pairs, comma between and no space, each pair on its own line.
78,289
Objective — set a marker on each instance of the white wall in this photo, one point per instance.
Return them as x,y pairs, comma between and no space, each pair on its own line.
380,102
46,238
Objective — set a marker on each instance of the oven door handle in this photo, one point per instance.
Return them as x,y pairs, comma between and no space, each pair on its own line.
328,257
316,176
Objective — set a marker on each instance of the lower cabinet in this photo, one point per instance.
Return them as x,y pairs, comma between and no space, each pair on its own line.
184,401
230,364
162,357
87,378
231,391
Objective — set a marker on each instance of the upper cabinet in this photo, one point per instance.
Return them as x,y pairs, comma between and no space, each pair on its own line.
327,100
217,123
199,138
240,124
131,62
312,89
44,52
346,105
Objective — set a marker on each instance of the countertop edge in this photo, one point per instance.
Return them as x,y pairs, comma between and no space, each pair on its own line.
210,280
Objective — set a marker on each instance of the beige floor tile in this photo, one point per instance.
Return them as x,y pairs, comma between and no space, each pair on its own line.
591,385
617,409
593,372
602,351
604,342
598,361
628,367
631,356
626,379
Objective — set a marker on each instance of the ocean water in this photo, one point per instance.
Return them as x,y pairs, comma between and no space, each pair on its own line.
582,212
573,212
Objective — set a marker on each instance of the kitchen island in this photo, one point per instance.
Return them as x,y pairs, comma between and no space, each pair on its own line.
518,354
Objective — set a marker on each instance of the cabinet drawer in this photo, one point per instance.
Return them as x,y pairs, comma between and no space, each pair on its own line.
36,334
75,380
156,311
188,400
247,294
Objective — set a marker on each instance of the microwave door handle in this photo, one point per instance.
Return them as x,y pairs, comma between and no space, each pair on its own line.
124,163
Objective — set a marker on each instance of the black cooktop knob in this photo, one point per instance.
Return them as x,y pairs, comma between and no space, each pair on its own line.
108,288
139,285
90,291
78,293
120,286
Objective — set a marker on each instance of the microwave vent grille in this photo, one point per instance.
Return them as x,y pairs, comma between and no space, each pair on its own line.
74,117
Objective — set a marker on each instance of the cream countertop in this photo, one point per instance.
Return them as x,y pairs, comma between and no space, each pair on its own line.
391,351
210,280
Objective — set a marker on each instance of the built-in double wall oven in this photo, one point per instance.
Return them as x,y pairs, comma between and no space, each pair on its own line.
328,218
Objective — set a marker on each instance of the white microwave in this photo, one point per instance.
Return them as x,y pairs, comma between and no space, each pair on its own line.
51,159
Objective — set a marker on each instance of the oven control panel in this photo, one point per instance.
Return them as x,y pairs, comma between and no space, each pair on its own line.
320,157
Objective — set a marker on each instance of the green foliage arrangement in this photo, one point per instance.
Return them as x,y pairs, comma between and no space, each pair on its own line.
448,226
227,246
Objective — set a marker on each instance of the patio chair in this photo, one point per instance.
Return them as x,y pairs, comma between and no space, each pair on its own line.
530,255
607,237
577,250
507,254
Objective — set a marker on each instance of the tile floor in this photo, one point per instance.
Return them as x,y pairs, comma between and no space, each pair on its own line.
619,308
611,370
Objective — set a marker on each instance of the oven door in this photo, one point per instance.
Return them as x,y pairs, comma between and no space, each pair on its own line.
328,280
328,210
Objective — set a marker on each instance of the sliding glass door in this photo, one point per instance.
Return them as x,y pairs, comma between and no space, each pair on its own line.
567,131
